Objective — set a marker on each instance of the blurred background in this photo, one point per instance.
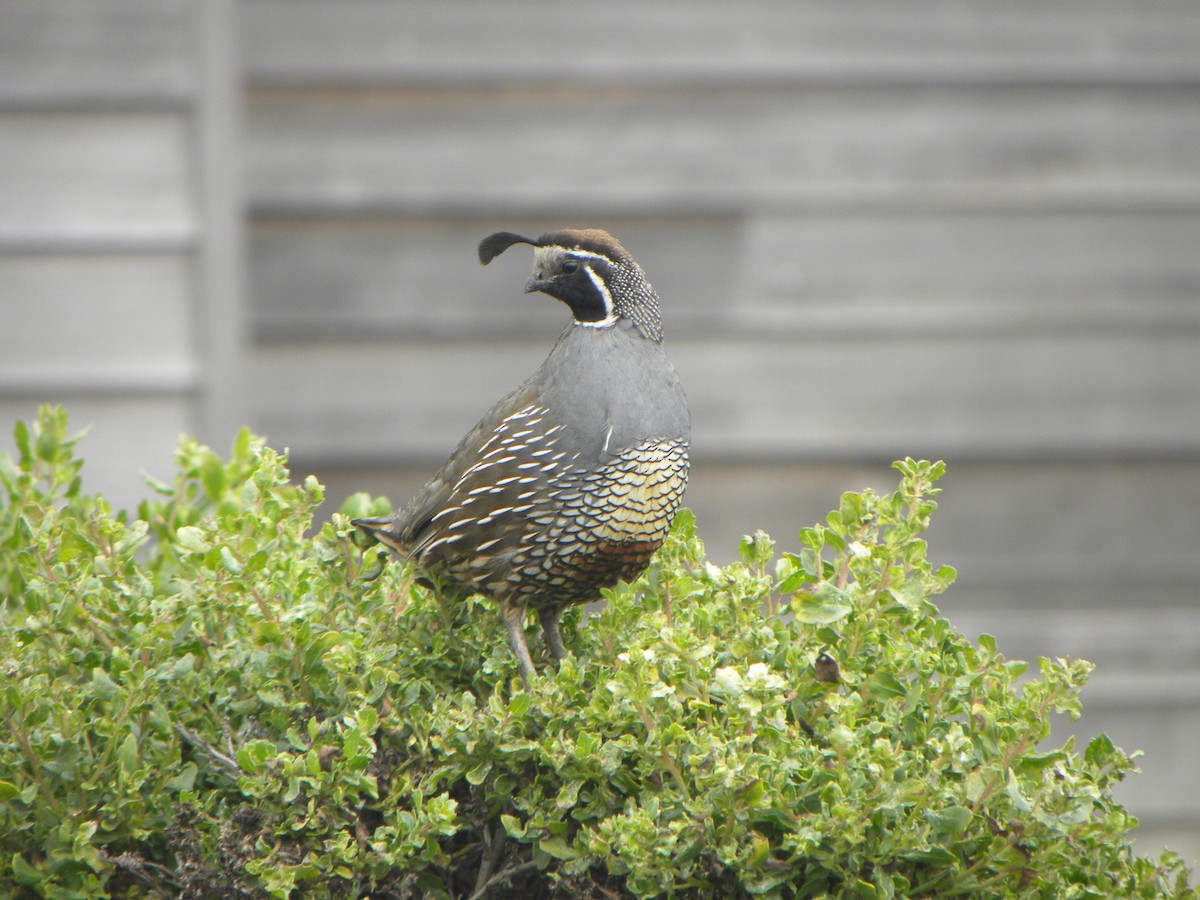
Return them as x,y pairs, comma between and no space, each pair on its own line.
957,229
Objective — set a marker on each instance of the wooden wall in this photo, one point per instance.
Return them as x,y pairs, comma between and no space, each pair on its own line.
120,235
949,228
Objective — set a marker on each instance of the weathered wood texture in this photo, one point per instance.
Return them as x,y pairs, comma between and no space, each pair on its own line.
369,41
110,299
59,53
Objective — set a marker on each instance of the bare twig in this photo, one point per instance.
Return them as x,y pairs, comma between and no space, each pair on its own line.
150,872
501,877
225,763
493,849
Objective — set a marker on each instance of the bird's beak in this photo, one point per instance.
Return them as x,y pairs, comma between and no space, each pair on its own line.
534,284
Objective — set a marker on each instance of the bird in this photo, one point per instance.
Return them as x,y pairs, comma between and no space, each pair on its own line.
826,669
569,484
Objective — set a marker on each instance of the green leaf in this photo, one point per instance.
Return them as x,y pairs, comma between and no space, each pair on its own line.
1036,762
795,581
884,684
1100,751
24,873
254,755
127,755
951,821
1015,794
479,773
184,779
24,445
191,539
229,561
103,684
931,856
823,605
557,847
513,827
212,476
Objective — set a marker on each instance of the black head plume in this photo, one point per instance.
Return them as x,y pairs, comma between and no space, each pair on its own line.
495,244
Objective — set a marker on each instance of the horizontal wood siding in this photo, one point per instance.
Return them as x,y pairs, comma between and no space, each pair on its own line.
77,53
372,41
521,150
101,227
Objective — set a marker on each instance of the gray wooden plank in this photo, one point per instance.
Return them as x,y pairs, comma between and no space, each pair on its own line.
377,40
1145,639
221,305
334,279
1061,271
644,152
78,317
1121,534
404,278
95,179
787,399
78,51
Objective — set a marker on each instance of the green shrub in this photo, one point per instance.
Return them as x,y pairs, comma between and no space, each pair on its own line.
205,700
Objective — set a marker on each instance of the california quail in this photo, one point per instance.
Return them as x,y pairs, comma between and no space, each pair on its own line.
569,484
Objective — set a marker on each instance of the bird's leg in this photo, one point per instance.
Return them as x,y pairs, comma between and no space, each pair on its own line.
514,618
549,616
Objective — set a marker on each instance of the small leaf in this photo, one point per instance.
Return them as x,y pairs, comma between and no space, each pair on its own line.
513,826
951,821
477,775
229,561
760,848
103,684
884,684
127,755
934,856
557,847
212,476
253,756
1100,751
24,873
184,780
823,605
191,539
795,581
1013,790
24,446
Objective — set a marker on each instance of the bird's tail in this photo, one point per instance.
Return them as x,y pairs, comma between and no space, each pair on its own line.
373,531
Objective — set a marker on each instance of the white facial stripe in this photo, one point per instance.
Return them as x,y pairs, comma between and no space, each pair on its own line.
609,315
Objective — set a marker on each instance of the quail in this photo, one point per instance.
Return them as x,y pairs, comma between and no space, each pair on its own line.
569,484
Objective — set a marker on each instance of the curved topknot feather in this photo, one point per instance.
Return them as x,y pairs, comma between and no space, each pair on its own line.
495,244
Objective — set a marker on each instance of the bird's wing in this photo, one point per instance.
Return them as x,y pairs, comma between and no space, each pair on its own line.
466,488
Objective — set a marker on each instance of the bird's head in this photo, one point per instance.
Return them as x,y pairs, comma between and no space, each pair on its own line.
589,271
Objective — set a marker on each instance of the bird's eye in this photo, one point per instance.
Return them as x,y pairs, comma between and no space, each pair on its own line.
570,266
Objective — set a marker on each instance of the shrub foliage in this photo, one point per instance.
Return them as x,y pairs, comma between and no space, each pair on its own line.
207,700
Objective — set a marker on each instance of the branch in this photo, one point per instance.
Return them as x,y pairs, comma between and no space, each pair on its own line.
501,877
225,763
